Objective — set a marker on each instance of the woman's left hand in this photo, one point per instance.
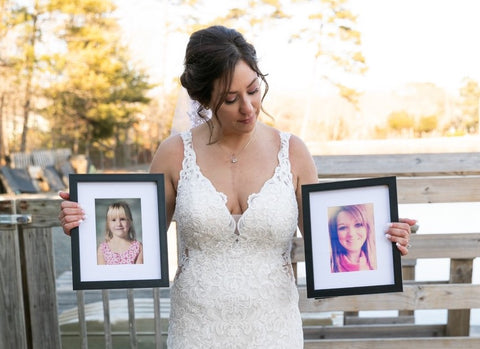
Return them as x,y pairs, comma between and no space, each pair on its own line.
399,233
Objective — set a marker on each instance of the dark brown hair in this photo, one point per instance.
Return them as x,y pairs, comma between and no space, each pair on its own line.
212,54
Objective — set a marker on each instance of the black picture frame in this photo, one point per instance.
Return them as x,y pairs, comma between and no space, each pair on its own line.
144,196
329,272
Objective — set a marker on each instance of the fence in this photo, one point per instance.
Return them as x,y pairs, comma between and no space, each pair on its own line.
421,178
29,305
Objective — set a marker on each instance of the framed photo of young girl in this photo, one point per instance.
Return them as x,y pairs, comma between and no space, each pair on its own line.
346,251
122,242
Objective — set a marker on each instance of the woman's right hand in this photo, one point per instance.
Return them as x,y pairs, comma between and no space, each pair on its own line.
71,214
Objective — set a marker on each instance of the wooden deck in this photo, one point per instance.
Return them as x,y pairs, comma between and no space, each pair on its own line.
29,304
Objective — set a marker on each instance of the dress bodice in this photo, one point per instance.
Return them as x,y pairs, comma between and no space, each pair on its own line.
234,286
269,221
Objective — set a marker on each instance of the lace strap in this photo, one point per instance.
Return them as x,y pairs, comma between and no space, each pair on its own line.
283,154
188,152
284,169
188,164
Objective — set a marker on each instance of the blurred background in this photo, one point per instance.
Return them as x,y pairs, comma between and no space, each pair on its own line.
100,77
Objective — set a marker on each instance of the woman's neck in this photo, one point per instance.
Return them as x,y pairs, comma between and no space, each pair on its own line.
354,257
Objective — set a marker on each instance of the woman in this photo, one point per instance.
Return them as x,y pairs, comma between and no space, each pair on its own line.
352,239
233,185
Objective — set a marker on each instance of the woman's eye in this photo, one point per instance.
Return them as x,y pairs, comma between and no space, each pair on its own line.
358,225
254,91
231,101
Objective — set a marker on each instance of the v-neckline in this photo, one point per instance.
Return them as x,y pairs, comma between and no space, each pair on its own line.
221,194
224,197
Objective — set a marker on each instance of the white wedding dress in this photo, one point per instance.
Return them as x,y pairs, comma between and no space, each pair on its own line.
234,287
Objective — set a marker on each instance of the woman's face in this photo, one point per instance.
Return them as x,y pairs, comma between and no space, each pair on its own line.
119,225
240,109
351,231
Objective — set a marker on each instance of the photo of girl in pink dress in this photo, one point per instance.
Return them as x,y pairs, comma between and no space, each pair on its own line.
120,244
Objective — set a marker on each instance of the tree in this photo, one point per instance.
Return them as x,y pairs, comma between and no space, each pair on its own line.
26,20
400,121
469,106
328,27
426,124
97,94
331,28
4,72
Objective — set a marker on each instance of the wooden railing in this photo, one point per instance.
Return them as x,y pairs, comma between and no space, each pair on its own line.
421,178
28,299
28,303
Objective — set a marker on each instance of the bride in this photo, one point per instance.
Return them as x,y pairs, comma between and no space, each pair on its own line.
233,186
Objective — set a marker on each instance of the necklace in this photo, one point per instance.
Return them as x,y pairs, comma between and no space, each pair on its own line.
233,157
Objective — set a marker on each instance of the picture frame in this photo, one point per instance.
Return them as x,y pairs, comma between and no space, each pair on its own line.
346,251
122,242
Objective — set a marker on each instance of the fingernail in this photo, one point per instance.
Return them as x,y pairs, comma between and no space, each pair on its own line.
387,226
388,236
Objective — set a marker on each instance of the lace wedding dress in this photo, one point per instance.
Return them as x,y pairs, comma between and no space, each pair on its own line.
234,287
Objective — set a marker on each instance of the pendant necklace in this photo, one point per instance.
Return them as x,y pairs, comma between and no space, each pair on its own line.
233,157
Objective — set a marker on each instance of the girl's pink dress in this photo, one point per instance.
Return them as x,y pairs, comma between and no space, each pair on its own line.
128,257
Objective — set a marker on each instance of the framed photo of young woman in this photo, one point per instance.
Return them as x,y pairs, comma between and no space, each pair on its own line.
122,243
346,251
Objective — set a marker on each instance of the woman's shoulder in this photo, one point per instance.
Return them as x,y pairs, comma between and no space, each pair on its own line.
171,143
169,154
301,159
297,146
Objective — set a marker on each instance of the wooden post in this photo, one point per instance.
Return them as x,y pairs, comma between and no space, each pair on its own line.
131,319
408,273
38,272
458,323
107,326
13,332
40,287
158,318
82,322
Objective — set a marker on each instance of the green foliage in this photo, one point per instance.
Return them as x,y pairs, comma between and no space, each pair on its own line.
97,90
470,104
426,124
64,62
468,116
327,26
400,121
332,30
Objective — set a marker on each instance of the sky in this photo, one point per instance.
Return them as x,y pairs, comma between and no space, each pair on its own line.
420,40
403,41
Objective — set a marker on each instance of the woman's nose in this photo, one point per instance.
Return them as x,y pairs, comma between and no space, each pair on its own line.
246,106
